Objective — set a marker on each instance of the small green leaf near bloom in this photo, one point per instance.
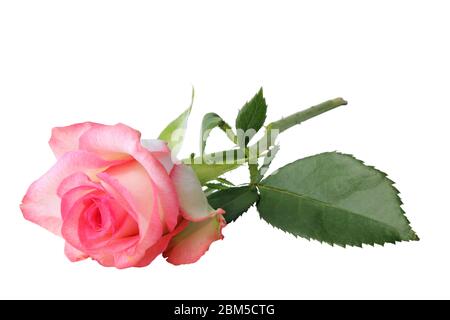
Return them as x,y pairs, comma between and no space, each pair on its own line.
208,172
235,201
179,124
334,198
252,116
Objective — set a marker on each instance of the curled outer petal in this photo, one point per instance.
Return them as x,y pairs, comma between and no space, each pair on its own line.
193,242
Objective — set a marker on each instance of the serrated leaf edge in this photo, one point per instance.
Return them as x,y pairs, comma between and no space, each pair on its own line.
414,236
246,210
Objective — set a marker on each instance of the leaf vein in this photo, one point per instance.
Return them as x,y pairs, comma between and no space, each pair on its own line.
275,189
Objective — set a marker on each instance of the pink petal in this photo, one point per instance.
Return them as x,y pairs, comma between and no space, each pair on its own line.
192,243
192,199
116,248
168,198
119,141
66,139
147,215
76,180
73,254
71,197
134,191
155,145
165,159
111,142
92,233
106,260
113,247
119,193
160,151
140,189
41,203
161,245
70,227
73,188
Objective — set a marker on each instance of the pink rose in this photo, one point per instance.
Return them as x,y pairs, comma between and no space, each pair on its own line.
119,202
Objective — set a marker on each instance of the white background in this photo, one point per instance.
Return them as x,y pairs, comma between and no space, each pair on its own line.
134,62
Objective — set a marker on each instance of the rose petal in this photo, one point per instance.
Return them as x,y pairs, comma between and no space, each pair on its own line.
133,177
76,180
66,139
193,202
155,145
73,188
192,243
97,224
73,254
105,246
71,197
161,245
115,142
168,198
160,151
41,203
149,222
70,226
111,142
131,187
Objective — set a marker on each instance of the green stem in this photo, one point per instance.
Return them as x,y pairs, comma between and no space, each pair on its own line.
284,124
281,125
299,117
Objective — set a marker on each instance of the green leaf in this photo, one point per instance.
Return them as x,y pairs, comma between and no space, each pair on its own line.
334,198
208,172
235,201
173,134
211,121
252,116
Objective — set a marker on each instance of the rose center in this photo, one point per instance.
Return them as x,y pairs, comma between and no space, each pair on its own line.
95,219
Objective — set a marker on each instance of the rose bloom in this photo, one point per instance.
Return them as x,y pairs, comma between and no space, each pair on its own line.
119,202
